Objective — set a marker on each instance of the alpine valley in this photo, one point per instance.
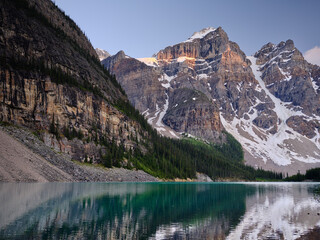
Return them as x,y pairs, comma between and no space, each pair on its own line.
200,109
206,85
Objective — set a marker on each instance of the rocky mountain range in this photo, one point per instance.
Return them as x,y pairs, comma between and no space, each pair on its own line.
205,85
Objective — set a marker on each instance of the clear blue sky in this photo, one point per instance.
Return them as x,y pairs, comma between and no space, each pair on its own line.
143,27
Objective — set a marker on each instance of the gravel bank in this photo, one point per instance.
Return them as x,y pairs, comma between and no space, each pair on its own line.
24,158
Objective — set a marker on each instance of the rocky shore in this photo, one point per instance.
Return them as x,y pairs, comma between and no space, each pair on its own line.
25,158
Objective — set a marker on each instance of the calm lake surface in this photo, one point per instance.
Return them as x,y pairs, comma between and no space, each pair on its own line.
158,210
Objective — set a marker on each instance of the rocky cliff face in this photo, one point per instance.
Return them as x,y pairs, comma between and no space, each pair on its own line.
144,90
286,138
139,81
208,62
289,77
295,82
206,83
51,78
190,111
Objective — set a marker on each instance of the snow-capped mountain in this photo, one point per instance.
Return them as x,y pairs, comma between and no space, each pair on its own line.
102,54
200,34
288,133
269,102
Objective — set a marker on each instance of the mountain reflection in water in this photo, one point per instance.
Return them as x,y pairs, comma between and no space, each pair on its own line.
157,210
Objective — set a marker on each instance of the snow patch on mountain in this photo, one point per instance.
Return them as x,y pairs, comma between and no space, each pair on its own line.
152,62
165,80
102,54
285,56
182,59
203,76
314,85
200,34
287,76
159,123
155,118
278,147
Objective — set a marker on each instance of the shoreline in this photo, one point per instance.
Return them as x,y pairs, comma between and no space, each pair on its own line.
25,158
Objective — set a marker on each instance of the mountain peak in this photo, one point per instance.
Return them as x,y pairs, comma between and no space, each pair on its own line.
102,54
290,44
270,50
202,33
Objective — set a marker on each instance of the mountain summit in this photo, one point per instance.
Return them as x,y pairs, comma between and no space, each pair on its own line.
102,54
200,34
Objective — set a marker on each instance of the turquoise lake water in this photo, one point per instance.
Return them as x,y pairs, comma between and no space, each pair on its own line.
158,210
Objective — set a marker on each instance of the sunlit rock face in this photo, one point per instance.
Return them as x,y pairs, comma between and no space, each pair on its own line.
165,88
269,102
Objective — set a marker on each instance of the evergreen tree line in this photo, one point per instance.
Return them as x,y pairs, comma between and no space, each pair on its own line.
185,157
311,175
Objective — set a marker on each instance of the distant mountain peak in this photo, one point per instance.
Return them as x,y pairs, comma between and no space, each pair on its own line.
202,33
102,54
271,47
